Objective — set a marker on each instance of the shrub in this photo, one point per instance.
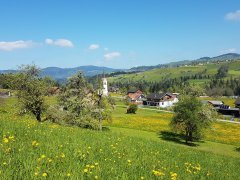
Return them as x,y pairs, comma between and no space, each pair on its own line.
56,115
132,108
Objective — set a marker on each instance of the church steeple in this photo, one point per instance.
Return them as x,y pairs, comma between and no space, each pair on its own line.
105,86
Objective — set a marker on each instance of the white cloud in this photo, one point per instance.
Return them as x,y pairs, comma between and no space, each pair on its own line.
59,42
233,16
230,50
112,55
9,46
94,46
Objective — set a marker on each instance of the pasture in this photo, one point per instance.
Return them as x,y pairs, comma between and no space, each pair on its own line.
32,150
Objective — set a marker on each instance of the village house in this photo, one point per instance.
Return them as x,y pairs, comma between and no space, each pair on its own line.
223,109
135,96
161,100
215,103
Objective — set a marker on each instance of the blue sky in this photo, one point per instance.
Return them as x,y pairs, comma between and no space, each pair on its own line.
118,34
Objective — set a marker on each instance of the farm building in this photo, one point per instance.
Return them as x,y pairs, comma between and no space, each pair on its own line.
216,103
135,96
161,100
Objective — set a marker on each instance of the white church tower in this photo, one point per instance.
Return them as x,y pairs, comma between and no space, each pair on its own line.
105,87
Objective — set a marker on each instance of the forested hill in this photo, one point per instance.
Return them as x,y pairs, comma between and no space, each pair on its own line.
216,78
223,57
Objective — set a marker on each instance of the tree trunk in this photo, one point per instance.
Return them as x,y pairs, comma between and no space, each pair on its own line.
190,136
186,137
38,117
100,124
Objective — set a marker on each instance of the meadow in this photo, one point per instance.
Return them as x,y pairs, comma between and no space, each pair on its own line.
32,150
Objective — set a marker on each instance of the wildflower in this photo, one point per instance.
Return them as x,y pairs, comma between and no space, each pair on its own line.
62,155
129,161
49,160
85,170
173,176
36,173
96,164
158,173
11,137
96,177
43,156
87,166
44,174
68,174
35,143
142,178
4,163
92,166
5,140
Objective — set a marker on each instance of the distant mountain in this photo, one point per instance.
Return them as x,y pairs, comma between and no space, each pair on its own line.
64,73
224,57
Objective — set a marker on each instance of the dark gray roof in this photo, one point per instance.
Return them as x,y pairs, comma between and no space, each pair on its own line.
156,96
132,90
216,102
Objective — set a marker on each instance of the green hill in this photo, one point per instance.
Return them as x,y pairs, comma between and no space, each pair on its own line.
159,74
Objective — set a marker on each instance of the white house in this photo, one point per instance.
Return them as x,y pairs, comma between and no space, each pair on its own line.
161,100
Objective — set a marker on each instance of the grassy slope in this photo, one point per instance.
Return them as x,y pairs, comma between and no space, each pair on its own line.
148,120
119,153
159,74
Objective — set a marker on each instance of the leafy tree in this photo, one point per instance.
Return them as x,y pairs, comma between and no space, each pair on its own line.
30,90
191,118
222,72
132,108
88,107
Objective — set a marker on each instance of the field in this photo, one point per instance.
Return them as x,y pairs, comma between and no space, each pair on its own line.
159,74
130,148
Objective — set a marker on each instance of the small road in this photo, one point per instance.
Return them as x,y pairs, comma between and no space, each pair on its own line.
222,120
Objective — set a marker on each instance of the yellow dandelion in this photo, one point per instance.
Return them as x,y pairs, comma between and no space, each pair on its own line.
4,163
141,177
96,164
62,155
43,156
129,161
68,174
11,137
96,177
85,170
5,140
36,173
44,174
92,166
87,166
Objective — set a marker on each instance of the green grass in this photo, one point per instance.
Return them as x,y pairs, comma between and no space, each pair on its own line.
29,149
157,121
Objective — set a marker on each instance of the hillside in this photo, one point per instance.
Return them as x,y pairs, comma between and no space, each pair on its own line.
33,150
223,57
159,74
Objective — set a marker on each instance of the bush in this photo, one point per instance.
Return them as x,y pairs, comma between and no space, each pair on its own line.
132,108
56,115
